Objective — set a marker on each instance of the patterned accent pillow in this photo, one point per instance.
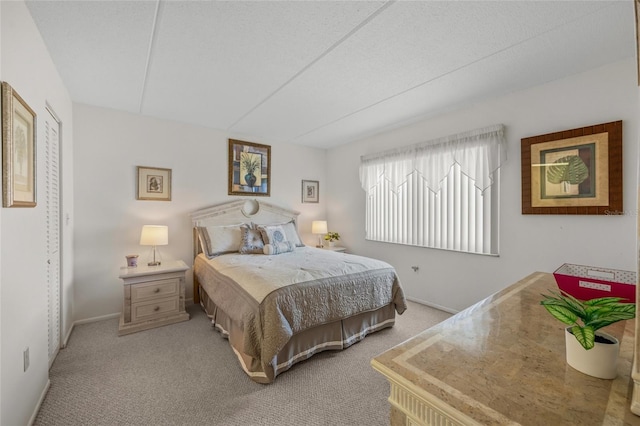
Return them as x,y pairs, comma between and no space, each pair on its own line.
251,240
273,234
278,248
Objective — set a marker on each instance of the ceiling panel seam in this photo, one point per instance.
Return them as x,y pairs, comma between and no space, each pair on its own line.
357,28
446,73
152,40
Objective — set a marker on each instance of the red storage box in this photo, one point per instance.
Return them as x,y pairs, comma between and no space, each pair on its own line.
588,282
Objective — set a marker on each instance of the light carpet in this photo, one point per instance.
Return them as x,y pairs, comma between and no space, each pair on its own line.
187,374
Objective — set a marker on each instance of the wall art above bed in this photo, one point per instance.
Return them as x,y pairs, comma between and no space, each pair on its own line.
576,171
249,168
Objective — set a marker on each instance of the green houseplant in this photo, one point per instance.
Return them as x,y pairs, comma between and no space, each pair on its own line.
332,236
593,314
589,350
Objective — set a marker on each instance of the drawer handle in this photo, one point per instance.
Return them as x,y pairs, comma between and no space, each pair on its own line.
157,290
156,309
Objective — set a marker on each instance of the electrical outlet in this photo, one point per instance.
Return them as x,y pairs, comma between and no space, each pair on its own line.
25,356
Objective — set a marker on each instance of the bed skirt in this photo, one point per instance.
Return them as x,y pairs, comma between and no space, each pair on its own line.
336,335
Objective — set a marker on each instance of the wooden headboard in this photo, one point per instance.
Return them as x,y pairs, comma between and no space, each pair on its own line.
231,213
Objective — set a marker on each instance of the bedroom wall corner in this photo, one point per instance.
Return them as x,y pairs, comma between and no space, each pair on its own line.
27,66
109,144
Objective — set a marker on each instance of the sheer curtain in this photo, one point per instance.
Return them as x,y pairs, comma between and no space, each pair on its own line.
438,193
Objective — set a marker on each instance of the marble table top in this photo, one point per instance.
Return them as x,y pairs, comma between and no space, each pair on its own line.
502,361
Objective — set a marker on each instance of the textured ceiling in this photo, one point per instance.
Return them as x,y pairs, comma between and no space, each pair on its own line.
320,73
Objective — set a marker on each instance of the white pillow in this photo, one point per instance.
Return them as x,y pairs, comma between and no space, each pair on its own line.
221,239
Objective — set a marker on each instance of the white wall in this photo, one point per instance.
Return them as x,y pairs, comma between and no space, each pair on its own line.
528,243
26,65
109,146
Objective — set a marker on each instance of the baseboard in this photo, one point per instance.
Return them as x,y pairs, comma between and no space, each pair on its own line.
94,319
65,340
39,404
433,305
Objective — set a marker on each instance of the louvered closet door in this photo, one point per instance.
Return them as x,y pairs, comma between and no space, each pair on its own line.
52,171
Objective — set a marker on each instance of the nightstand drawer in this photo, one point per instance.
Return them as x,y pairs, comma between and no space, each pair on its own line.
145,310
154,290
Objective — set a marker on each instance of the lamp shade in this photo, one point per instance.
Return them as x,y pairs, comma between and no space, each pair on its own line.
154,235
319,227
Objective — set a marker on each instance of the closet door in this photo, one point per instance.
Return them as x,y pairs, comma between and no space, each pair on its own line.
52,172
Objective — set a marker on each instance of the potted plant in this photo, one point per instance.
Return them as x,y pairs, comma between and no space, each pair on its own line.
332,237
250,163
589,350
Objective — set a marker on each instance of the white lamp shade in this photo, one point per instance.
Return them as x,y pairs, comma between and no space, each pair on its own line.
319,227
154,235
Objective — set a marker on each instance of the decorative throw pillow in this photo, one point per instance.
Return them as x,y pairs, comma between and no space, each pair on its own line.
272,234
278,248
251,240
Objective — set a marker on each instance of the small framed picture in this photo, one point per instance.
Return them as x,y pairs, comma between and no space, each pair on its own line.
310,191
154,184
18,150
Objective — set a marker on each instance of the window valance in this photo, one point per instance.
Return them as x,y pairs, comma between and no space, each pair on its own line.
479,153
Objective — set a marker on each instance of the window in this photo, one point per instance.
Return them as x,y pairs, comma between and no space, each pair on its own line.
442,194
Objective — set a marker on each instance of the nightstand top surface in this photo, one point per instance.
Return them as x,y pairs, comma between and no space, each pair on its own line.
334,248
141,270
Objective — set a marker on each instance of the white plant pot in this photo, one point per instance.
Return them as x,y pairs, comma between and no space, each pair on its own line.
332,243
600,361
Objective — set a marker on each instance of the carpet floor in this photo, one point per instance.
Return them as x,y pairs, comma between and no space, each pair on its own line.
187,374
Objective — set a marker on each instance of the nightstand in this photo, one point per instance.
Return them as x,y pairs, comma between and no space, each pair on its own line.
335,248
153,296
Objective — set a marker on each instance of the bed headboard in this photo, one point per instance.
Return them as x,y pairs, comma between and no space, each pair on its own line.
239,211
234,212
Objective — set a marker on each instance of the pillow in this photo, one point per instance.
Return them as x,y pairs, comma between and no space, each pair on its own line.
278,248
251,240
290,232
273,234
218,240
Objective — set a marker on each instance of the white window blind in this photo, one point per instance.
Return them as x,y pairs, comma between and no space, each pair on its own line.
437,194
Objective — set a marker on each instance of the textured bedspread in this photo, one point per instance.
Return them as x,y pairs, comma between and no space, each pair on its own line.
274,297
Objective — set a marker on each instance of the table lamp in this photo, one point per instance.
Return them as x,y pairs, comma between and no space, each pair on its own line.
154,235
319,227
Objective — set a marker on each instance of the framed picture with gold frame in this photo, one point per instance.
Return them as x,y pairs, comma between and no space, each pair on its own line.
18,150
154,184
249,168
576,171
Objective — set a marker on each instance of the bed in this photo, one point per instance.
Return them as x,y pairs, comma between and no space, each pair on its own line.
277,301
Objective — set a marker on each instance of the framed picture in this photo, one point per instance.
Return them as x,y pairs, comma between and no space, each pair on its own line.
154,184
310,191
576,171
18,150
249,168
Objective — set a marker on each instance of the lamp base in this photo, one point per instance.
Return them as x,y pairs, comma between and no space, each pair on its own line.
154,263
